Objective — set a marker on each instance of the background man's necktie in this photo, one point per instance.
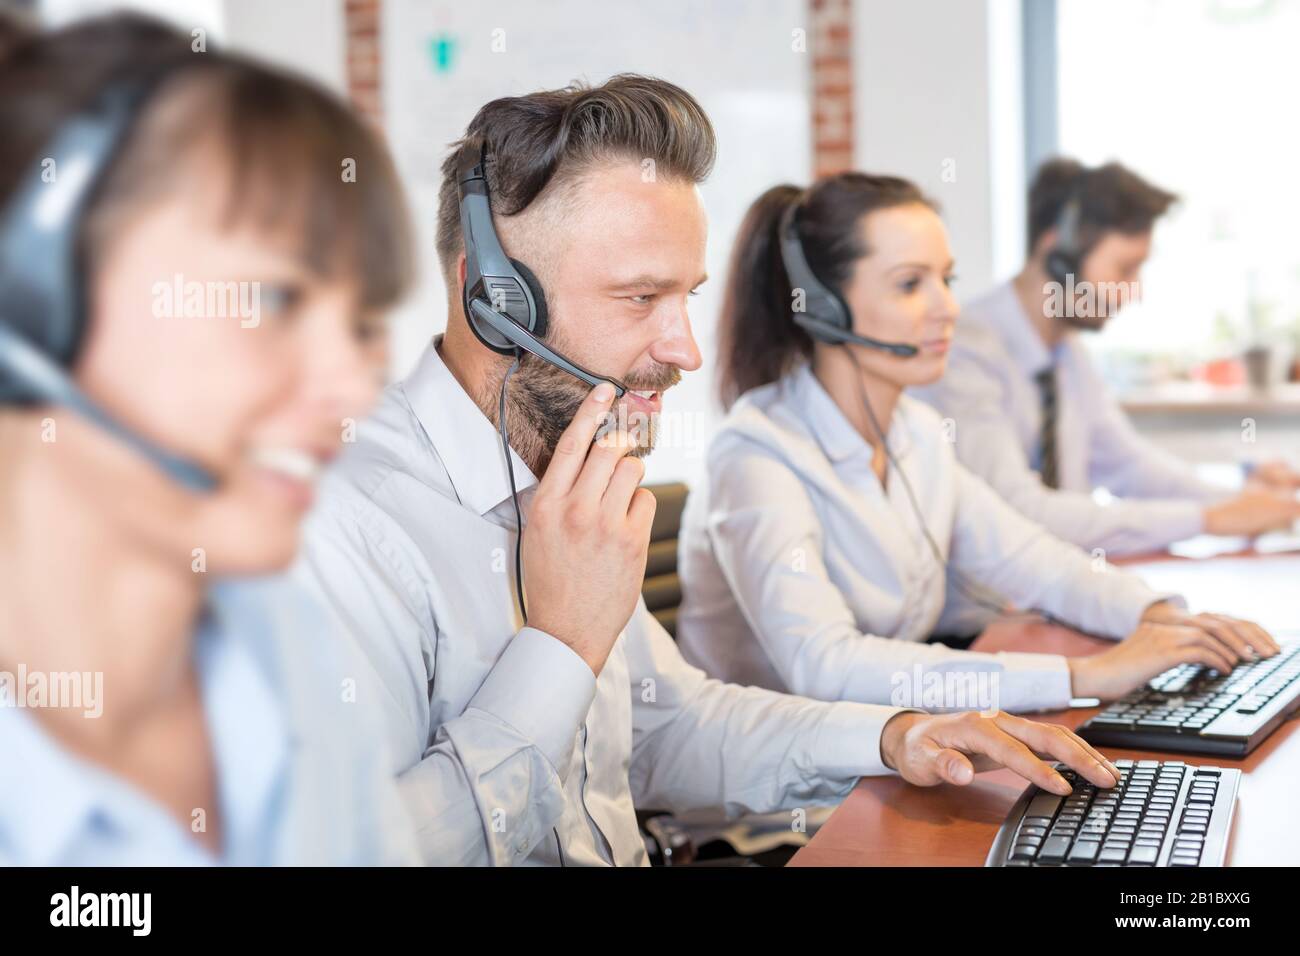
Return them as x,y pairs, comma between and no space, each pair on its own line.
1046,380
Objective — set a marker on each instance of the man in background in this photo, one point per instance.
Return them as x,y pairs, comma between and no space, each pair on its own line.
1033,417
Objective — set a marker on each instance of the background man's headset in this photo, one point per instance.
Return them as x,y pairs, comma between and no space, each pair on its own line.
43,281
827,318
1066,254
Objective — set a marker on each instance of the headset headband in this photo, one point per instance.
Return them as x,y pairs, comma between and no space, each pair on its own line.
43,299
42,281
820,302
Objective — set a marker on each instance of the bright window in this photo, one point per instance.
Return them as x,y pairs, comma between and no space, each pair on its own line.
1197,96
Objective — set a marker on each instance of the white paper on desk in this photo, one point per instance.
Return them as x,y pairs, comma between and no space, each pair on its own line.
1260,589
1280,542
1210,546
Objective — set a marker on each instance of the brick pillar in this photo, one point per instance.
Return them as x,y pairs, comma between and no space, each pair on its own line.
364,77
831,46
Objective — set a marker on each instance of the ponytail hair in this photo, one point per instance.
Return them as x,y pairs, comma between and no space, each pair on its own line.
758,341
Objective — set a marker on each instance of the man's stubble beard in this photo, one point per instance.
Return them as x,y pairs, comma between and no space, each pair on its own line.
541,401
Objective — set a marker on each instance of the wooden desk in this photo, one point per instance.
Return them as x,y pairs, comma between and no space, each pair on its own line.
886,822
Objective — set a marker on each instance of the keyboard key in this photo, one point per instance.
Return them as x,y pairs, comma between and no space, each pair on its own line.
1111,723
1144,855
1054,849
1085,851
1043,805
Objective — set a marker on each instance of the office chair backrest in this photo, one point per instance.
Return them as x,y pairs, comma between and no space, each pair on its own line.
662,589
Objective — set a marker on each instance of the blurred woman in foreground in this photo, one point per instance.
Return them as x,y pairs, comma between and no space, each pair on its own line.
169,698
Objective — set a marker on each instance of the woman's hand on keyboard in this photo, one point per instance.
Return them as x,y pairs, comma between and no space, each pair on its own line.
1241,636
1150,650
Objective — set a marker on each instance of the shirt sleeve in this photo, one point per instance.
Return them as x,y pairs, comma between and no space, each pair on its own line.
767,538
1128,464
486,786
971,395
700,743
1003,550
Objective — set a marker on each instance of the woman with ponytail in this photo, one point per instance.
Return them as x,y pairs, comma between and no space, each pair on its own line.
836,533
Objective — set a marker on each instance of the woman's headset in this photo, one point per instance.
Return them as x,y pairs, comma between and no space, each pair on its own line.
826,316
43,294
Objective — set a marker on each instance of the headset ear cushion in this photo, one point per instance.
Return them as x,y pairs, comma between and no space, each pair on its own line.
1059,266
539,298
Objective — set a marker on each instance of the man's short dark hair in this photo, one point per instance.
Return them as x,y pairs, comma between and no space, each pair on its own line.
536,139
1111,198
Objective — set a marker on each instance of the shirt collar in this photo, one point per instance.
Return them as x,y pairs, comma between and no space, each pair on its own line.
829,426
1018,334
55,798
466,441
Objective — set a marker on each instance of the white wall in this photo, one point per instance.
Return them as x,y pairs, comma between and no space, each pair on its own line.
303,35
184,14
937,98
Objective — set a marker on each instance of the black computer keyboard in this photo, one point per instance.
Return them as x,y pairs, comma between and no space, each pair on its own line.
1162,813
1192,709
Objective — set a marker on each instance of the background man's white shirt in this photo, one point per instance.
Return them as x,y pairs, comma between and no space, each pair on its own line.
990,394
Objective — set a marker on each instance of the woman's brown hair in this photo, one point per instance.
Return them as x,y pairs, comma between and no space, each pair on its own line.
285,142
